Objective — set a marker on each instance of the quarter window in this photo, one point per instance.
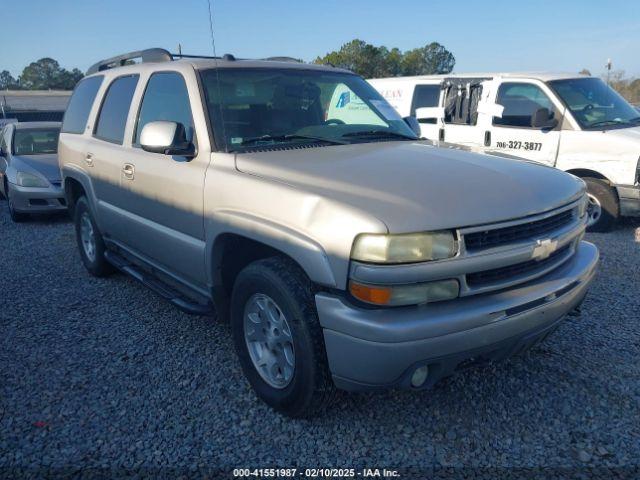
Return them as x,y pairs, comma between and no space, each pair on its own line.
77,113
115,109
165,98
520,102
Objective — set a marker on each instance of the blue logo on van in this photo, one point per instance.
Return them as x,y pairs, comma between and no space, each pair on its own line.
343,100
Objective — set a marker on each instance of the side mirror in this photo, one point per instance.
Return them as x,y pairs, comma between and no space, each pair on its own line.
429,114
167,138
413,125
491,109
540,119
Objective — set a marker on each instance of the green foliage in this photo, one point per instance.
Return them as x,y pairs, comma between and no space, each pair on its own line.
629,88
371,61
45,74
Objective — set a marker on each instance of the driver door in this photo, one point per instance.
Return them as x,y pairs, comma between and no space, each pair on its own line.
513,134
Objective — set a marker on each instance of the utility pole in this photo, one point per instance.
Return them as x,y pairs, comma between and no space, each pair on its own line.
608,66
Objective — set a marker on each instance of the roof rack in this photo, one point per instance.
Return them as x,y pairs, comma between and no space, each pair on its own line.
162,55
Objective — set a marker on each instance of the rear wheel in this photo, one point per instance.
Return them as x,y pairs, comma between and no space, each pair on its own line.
278,338
603,208
90,242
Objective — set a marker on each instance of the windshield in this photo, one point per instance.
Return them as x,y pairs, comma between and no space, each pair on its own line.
594,104
35,141
258,108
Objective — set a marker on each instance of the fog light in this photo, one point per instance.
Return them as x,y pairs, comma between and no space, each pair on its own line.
419,376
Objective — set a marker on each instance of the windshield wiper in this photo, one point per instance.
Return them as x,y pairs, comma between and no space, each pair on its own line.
378,133
285,138
602,123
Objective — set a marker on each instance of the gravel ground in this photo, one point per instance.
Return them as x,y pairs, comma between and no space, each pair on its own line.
101,374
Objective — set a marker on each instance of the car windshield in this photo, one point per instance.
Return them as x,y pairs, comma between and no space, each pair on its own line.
594,104
35,141
258,108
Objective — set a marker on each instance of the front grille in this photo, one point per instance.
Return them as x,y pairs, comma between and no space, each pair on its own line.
523,231
502,274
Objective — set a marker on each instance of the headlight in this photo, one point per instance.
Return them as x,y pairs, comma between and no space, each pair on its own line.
25,179
412,294
403,248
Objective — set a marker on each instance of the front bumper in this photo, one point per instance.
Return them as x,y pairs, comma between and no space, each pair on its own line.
629,196
374,348
37,200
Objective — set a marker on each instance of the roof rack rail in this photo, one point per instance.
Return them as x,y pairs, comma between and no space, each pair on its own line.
283,59
148,55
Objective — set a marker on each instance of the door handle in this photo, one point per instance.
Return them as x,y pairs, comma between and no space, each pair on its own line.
128,170
487,138
89,159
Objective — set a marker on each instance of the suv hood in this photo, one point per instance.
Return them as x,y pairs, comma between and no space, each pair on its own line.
45,165
414,186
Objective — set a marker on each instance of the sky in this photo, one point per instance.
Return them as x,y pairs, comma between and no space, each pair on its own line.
532,35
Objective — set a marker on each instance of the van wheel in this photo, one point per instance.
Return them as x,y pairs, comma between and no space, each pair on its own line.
603,208
90,242
278,338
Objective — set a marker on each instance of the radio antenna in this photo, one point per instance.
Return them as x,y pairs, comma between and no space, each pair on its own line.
213,47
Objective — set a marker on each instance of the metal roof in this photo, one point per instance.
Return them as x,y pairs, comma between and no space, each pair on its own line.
34,100
542,76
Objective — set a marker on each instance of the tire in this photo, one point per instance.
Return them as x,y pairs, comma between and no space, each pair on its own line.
604,198
86,230
310,389
16,217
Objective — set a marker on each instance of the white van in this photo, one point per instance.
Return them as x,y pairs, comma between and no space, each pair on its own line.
573,122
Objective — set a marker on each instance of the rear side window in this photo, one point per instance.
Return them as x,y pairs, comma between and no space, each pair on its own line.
520,102
165,98
115,109
461,103
75,118
425,96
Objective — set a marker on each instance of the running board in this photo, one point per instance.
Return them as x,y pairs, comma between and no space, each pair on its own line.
165,291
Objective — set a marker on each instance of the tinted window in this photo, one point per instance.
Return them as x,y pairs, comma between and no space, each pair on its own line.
115,109
520,102
425,96
75,118
165,98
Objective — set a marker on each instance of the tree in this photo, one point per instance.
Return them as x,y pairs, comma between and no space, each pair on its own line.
428,60
585,71
7,82
46,74
371,61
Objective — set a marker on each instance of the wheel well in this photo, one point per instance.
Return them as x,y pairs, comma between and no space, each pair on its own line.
584,172
231,253
73,190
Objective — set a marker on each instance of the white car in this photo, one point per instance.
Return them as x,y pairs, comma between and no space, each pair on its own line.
573,122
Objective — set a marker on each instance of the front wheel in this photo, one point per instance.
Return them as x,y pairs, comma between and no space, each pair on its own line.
278,338
16,217
603,208
90,242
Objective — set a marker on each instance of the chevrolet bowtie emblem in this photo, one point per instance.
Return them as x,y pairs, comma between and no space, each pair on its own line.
544,248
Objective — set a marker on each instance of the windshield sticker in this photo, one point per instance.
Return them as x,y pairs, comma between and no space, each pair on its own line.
236,140
386,110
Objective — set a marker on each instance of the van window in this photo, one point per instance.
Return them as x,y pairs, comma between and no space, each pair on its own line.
461,103
77,113
165,98
520,102
425,96
115,109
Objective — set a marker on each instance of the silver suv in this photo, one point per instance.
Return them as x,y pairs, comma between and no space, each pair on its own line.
292,200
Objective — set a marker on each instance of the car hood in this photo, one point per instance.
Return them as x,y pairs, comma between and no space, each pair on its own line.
413,186
631,134
45,165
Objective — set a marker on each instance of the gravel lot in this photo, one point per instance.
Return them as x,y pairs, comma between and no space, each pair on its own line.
102,374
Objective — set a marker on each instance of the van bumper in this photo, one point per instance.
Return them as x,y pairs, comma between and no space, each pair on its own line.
629,196
382,348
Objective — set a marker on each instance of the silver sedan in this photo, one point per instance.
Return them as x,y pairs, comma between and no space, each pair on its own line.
29,173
